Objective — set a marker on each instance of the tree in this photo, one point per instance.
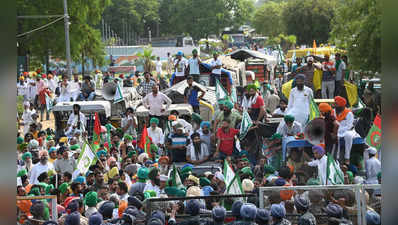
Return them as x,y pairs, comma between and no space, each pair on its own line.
147,57
357,29
309,20
268,19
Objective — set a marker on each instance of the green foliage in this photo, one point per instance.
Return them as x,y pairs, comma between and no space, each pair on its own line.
147,57
286,41
268,19
309,20
357,28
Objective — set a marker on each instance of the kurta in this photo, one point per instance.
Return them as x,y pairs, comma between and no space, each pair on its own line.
299,104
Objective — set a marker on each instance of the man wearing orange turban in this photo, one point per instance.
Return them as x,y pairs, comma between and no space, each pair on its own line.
346,129
331,127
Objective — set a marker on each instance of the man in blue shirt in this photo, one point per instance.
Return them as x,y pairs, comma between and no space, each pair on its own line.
191,95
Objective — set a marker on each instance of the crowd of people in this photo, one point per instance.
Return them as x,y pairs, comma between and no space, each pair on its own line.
130,169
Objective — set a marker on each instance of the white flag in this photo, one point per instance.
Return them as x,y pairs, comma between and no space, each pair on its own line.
234,95
334,174
86,158
118,95
232,181
221,93
245,125
49,103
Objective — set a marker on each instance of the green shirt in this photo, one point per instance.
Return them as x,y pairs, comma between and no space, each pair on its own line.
234,117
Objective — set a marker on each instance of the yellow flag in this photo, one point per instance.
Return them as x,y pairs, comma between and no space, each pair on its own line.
286,88
352,93
317,79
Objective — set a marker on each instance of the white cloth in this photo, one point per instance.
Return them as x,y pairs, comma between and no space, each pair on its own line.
156,135
247,103
299,104
321,164
155,103
22,89
204,152
285,131
38,169
278,111
373,167
72,121
158,66
27,120
150,187
130,130
64,95
52,85
180,70
340,70
74,89
193,66
216,63
346,124
32,89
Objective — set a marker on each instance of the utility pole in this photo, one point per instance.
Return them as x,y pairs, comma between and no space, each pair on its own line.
67,41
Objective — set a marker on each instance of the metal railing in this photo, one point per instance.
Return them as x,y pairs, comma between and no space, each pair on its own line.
359,190
54,213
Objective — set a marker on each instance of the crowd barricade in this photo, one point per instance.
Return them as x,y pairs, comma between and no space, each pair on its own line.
53,203
358,199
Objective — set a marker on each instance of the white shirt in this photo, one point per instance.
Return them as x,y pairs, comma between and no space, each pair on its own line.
158,66
150,187
216,63
193,66
155,103
278,111
180,70
373,167
73,86
156,135
32,90
285,131
27,120
322,166
130,130
52,85
22,89
204,152
38,169
73,119
346,124
340,70
299,104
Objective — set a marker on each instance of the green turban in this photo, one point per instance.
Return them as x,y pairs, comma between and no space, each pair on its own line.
313,181
275,136
26,155
22,172
194,51
131,153
63,187
203,181
74,147
251,86
34,191
171,191
350,176
247,170
153,173
184,176
379,175
128,137
19,140
22,146
142,173
221,101
49,138
91,199
197,118
268,169
101,153
48,188
154,120
228,104
147,195
289,118
186,169
181,193
245,159
154,148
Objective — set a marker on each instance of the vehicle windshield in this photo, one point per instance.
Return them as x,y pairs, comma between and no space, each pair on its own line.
238,38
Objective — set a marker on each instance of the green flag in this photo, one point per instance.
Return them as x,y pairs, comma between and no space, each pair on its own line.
245,125
234,95
175,177
374,136
118,95
221,93
232,181
49,103
334,174
314,110
86,159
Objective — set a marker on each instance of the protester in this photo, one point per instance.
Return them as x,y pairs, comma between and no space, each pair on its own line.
146,86
299,100
191,94
180,64
215,65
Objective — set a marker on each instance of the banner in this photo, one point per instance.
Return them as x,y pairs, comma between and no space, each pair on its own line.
334,174
245,125
352,93
49,102
232,181
175,177
314,110
86,159
374,136
221,93
118,95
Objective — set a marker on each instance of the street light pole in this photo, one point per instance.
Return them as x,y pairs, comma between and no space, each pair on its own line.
67,41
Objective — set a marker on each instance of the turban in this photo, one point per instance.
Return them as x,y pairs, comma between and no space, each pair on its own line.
248,211
192,207
128,137
300,76
372,150
251,86
149,194
372,218
95,219
334,210
186,168
23,145
101,153
19,140
196,118
163,178
262,216
49,138
172,118
324,107
153,173
113,172
350,176
63,187
276,136
80,179
228,104
268,169
52,149
301,203
278,211
74,147
63,140
73,218
142,173
194,51
205,123
164,159
91,199
131,169
33,143
288,118
280,182
50,76
247,185
235,208
154,120
247,170
133,201
318,149
219,176
193,191
21,78
218,214
111,159
142,156
131,153
203,181
193,179
207,190
22,172
43,153
26,155
340,101
171,191
106,209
